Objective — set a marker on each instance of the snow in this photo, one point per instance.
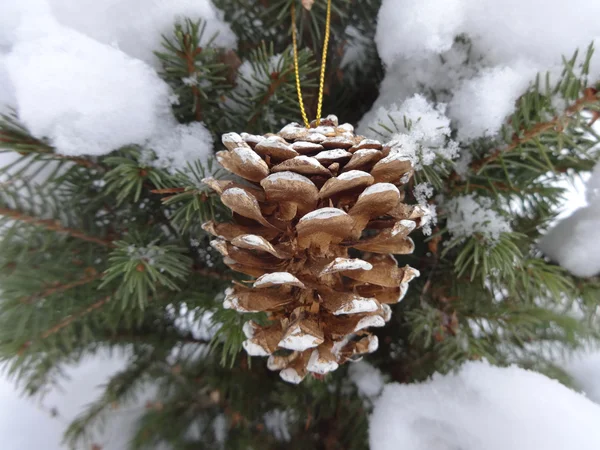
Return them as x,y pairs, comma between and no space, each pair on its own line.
480,104
248,156
469,215
199,323
300,146
86,97
81,74
408,28
277,278
320,365
477,56
373,343
183,144
249,329
133,26
6,88
288,176
378,188
49,417
324,130
291,376
585,370
421,129
403,226
347,127
299,341
323,214
353,174
369,321
368,379
575,241
332,154
484,407
423,192
358,305
341,264
307,159
277,422
254,349
253,240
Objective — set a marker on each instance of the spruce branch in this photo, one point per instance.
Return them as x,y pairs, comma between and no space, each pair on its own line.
557,124
53,225
72,318
277,79
15,137
90,276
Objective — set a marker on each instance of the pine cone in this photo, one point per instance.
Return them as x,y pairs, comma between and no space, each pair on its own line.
315,221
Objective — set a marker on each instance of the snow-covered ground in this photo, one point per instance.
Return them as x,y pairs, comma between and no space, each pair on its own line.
484,407
28,424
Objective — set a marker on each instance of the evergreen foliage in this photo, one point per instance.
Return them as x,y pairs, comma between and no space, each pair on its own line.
108,251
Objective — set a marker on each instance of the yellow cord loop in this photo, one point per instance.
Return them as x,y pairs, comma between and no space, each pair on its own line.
323,64
296,68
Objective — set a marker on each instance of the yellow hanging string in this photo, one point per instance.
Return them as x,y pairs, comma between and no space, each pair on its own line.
323,64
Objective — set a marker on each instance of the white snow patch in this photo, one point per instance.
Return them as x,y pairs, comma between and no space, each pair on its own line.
378,188
332,154
423,192
341,264
407,28
469,215
183,144
253,240
248,329
87,98
290,375
421,129
320,365
134,26
369,321
289,176
277,278
368,379
323,214
575,241
480,104
585,370
353,174
307,146
277,422
477,55
50,415
308,159
253,349
299,341
484,407
358,305
248,156
373,343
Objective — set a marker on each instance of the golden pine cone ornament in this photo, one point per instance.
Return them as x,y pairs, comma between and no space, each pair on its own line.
317,215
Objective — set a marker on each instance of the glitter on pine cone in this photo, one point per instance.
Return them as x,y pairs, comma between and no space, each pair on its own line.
316,219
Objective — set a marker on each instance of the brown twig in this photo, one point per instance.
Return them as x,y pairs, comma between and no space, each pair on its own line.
558,123
70,319
43,148
62,288
53,225
278,80
189,56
